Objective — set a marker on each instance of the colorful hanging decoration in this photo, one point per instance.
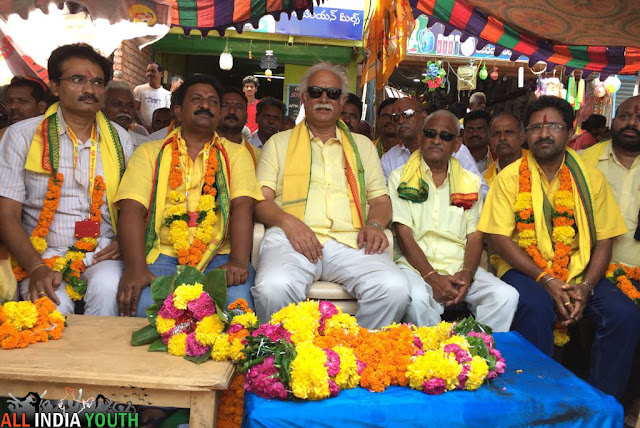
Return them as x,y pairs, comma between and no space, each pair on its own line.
483,73
494,74
581,91
612,84
571,92
435,75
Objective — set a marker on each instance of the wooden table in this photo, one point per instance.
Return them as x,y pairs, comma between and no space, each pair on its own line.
95,354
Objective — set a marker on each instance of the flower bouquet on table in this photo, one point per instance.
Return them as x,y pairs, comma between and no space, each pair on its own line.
312,350
25,323
187,318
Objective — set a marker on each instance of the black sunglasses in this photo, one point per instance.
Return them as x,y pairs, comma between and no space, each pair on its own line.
444,135
316,92
407,114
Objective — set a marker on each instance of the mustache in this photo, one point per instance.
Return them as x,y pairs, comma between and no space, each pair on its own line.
88,97
123,116
203,110
327,106
231,116
545,140
629,128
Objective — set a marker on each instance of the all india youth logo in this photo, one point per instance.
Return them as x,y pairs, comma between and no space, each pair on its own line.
34,410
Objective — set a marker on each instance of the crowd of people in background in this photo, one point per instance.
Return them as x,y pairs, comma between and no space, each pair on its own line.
119,185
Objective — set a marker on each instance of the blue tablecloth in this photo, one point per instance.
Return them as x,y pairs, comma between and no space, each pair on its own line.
544,393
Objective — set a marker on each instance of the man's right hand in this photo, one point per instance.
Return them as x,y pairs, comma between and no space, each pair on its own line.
44,281
444,289
302,238
561,299
132,283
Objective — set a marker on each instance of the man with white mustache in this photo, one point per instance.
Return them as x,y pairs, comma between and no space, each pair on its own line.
119,107
317,180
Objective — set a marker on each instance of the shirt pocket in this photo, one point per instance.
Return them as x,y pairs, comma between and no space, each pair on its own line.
455,222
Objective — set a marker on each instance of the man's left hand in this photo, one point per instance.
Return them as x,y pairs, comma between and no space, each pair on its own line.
236,273
463,281
579,294
375,238
110,252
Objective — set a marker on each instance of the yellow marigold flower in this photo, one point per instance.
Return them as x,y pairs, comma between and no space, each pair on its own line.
176,197
73,295
309,378
209,329
348,376
206,203
163,325
74,255
60,264
178,235
186,293
433,364
560,338
564,198
523,201
176,210
204,233
477,373
177,344
343,321
39,243
235,350
22,315
432,337
247,320
221,347
92,241
211,218
457,340
301,320
526,242
56,316
563,234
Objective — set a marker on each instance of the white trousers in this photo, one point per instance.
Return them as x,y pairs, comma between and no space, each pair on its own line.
284,276
491,300
102,288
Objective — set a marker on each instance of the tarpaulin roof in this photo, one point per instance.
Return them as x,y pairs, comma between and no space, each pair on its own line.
600,36
219,15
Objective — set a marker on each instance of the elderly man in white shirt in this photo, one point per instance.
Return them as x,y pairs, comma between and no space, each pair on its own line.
408,115
119,107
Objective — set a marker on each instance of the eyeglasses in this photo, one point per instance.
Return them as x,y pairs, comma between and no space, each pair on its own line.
78,79
444,135
316,92
407,114
552,127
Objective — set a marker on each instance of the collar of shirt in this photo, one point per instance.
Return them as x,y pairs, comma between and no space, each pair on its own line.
609,153
319,142
63,130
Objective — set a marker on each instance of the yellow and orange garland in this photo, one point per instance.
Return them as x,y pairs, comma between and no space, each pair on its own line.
26,323
563,229
71,265
177,216
622,275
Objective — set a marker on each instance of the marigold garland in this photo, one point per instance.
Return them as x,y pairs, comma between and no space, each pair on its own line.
621,275
71,264
177,216
26,323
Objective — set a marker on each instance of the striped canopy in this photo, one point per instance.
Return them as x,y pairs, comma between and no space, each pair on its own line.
553,31
207,15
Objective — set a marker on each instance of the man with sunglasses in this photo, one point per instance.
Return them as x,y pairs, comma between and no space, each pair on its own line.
436,207
53,224
409,118
318,179
551,219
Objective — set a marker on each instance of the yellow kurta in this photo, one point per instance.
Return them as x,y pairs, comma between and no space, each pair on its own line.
625,185
494,169
328,212
439,228
498,216
138,181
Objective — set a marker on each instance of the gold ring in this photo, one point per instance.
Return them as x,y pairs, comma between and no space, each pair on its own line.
567,303
41,293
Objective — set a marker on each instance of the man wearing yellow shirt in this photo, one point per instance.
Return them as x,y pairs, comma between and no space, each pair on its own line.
506,136
187,200
233,117
436,209
552,220
318,179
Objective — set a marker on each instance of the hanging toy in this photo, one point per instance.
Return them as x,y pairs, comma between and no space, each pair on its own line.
483,73
612,84
494,73
435,75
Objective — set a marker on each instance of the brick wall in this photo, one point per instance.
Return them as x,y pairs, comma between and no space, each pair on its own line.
130,63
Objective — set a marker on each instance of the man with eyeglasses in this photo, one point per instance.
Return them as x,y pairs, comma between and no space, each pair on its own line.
59,175
386,127
318,180
409,118
551,219
436,208
233,117
507,137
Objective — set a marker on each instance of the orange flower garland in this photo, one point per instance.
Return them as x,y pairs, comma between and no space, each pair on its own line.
231,406
176,219
622,275
26,323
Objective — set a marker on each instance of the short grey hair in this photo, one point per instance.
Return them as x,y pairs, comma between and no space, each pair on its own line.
447,114
118,85
478,97
503,114
338,70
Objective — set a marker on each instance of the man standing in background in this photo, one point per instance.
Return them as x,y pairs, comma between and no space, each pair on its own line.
151,96
249,88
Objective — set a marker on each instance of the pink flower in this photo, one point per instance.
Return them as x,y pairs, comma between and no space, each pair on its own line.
194,347
460,354
168,309
262,379
166,336
333,389
327,309
361,365
487,338
333,362
434,386
463,376
235,328
417,342
273,332
202,307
